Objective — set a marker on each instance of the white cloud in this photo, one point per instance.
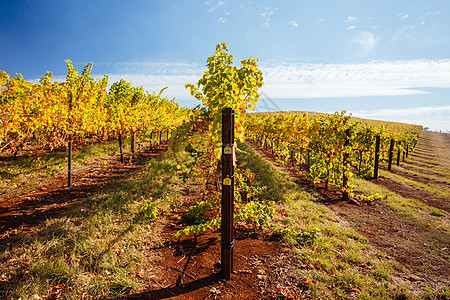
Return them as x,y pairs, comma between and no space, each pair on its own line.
269,11
297,80
425,110
366,43
310,81
154,83
293,24
434,117
404,17
222,20
214,5
351,19
377,78
351,27
406,32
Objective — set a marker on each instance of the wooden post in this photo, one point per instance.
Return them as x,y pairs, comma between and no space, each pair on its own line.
360,160
391,154
69,162
404,152
377,157
69,146
308,166
398,154
133,142
345,162
301,158
151,140
227,242
120,148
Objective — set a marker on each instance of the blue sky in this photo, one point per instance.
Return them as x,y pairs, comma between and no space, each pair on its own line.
376,59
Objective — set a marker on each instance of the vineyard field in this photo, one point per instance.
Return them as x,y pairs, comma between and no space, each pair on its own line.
213,202
262,263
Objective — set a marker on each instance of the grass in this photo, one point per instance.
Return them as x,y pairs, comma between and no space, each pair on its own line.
98,248
431,151
344,265
416,172
416,212
429,188
435,221
23,171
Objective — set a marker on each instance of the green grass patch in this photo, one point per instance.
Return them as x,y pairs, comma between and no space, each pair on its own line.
339,263
429,188
23,171
434,221
98,247
416,172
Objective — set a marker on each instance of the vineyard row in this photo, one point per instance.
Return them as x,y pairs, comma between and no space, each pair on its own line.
331,148
52,115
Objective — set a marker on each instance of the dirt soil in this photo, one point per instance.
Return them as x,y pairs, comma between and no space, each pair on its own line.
263,269
190,268
186,269
20,213
426,257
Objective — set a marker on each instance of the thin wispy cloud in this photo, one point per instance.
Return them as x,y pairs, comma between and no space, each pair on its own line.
351,19
431,116
293,24
404,17
366,42
269,11
406,32
267,14
214,5
383,78
311,80
422,111
298,80
351,27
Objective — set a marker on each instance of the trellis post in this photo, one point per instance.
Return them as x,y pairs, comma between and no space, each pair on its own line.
391,154
377,157
228,153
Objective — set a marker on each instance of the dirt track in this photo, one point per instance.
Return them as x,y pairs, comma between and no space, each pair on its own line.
426,255
20,213
189,270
